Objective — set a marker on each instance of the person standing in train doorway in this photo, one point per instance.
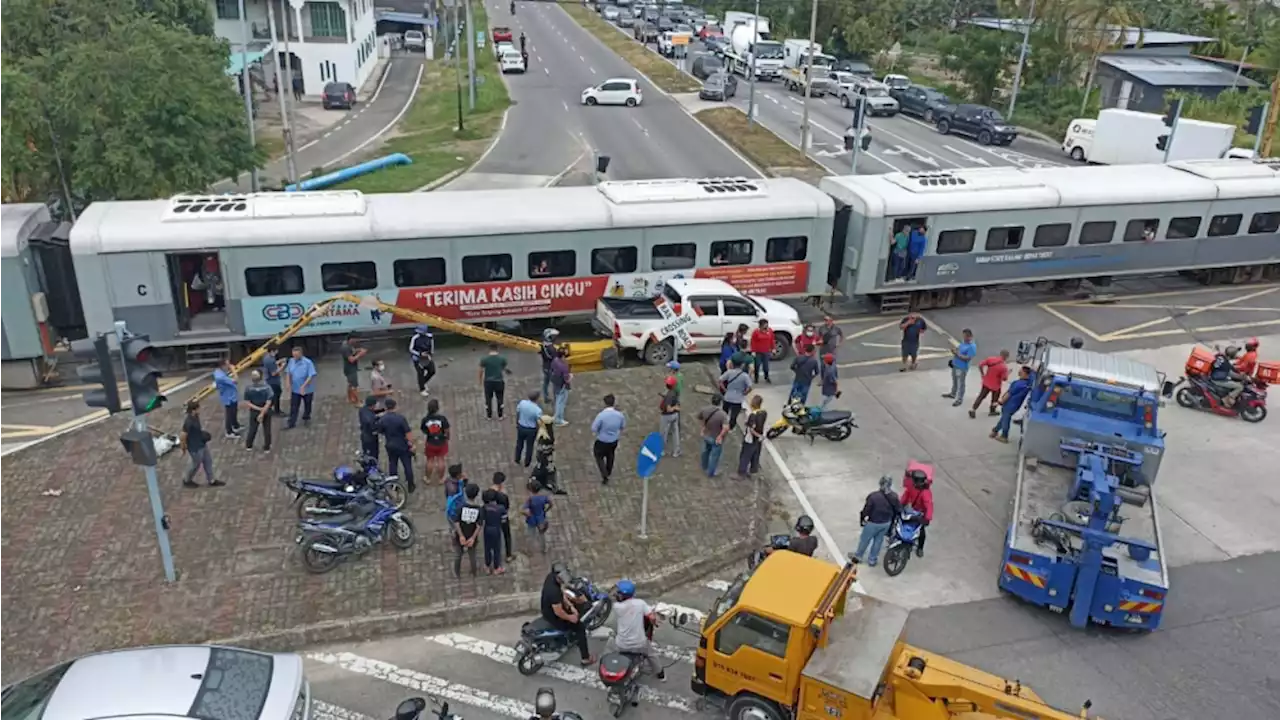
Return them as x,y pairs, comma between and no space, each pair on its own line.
300,372
917,243
351,354
422,348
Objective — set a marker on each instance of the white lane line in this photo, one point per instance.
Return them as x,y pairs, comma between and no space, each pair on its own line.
840,136
321,710
670,652
593,70
967,156
585,676
717,585
566,105
430,684
584,60
642,128
543,69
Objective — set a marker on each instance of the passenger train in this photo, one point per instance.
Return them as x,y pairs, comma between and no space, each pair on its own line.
196,270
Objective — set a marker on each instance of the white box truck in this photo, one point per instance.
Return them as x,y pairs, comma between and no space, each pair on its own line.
1128,137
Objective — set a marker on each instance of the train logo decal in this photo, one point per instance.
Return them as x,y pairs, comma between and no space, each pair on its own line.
282,312
948,268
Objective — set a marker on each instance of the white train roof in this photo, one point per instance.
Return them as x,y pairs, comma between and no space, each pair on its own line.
16,221
995,189
308,218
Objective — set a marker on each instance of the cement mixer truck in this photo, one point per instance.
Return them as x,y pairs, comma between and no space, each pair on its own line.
750,47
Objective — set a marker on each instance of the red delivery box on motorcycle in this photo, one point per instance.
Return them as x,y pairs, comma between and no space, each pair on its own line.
1201,361
1268,373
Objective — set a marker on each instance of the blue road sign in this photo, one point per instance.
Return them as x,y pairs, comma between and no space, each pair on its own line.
650,453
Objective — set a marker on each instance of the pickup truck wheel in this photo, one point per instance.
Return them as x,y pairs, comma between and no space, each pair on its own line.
844,101
944,127
781,346
750,707
984,138
659,353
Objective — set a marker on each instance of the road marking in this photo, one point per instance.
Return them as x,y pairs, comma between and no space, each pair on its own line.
1236,326
967,156
1128,333
544,69
876,328
892,346
1139,306
584,60
893,360
321,710
376,92
386,128
717,585
695,615
593,70
577,674
1049,308
900,150
1164,293
935,327
429,684
566,106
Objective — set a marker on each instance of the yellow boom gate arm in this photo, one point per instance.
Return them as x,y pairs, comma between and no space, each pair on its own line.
582,356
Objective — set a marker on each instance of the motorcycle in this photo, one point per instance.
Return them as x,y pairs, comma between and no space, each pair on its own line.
620,673
1200,393
541,642
903,534
325,543
332,497
811,422
413,708
776,542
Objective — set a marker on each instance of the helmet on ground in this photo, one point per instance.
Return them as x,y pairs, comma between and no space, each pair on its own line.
671,382
673,365
545,702
626,589
1077,342
344,474
804,525
1231,352
1251,344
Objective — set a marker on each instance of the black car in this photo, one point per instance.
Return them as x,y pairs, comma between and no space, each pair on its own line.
705,65
921,101
720,86
979,122
338,96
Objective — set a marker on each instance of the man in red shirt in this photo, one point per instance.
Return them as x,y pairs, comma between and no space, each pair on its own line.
994,371
762,340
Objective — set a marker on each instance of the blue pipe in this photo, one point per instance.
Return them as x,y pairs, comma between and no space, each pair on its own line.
338,176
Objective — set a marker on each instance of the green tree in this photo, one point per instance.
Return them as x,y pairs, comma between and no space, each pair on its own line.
122,99
982,58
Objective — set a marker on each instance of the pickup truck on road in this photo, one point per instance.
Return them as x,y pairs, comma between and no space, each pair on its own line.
709,309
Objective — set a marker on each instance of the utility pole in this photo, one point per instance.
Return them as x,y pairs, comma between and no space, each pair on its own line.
457,59
1022,60
859,112
1269,126
284,87
805,132
471,59
247,88
1165,142
751,66
1261,129
288,78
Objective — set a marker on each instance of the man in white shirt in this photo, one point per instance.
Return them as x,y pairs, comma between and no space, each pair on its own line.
631,613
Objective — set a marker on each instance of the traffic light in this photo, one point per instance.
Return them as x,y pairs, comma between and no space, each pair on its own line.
142,377
1257,115
857,112
99,371
1171,116
1162,142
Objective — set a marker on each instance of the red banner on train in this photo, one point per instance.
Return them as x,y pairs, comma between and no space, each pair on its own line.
769,279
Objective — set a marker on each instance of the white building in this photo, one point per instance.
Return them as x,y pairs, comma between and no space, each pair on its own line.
331,41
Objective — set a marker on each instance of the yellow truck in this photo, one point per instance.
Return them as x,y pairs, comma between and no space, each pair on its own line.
789,641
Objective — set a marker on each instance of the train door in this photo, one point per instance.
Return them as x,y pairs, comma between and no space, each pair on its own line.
199,291
908,242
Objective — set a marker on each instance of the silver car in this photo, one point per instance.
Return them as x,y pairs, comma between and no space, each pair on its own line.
172,681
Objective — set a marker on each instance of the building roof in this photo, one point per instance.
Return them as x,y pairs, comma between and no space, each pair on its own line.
1175,71
253,52
401,17
1125,36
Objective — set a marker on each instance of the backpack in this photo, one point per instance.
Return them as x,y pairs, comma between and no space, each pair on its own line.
453,506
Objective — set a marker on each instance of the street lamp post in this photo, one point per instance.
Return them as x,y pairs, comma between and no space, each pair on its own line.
751,66
247,88
805,132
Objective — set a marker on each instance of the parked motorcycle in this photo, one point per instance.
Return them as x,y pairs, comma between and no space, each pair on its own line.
776,542
316,498
811,422
541,642
620,673
413,708
325,543
903,534
1201,393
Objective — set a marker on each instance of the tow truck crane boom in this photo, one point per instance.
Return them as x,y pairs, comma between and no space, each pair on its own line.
582,356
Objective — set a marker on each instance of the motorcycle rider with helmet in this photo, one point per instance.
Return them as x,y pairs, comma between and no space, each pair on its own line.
634,617
522,41
803,542
513,7
562,608
1248,363
1225,377
919,497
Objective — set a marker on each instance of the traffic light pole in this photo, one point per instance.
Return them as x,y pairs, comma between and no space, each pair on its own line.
153,484
1173,129
859,115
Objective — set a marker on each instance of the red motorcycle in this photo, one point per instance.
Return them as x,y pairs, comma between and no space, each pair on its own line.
1200,393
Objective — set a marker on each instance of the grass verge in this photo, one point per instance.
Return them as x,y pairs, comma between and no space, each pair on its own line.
760,145
654,66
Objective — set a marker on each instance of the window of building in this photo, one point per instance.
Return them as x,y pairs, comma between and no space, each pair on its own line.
327,19
751,630
1055,235
1222,225
610,261
1182,227
553,263
343,277
419,272
1004,238
486,268
228,9
280,280
952,242
1143,230
786,249
674,256
732,252
1264,223
1097,233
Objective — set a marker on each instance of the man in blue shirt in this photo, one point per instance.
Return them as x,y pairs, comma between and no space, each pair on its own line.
527,414
607,427
271,367
1009,404
301,374
961,356
399,440
916,245
224,380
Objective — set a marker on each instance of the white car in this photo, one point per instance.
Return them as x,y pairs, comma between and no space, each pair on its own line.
610,13
616,91
512,61
503,48
414,40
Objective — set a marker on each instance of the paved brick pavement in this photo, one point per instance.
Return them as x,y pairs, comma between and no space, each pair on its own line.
82,571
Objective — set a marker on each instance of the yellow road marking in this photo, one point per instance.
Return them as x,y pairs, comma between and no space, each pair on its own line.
1049,308
1128,333
1162,293
893,360
1137,306
868,331
858,321
1237,326
899,345
37,430
939,329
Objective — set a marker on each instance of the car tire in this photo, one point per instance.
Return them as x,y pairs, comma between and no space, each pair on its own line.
844,101
631,102
1077,154
591,101
944,127
984,138
928,116
751,707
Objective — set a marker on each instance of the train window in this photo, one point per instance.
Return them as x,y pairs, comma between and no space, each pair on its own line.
1182,227
1222,225
280,280
608,261
1004,238
675,256
732,252
419,272
1055,235
553,263
1098,232
345,277
952,242
1141,230
786,249
486,268
1264,223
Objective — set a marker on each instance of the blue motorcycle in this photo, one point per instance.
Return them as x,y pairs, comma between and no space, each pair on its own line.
327,542
903,534
318,498
541,642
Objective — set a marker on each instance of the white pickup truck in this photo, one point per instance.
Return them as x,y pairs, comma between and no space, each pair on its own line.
706,310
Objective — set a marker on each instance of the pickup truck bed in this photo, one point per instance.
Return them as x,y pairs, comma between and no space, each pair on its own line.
631,308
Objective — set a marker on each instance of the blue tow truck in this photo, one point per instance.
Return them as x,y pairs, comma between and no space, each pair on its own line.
1085,537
